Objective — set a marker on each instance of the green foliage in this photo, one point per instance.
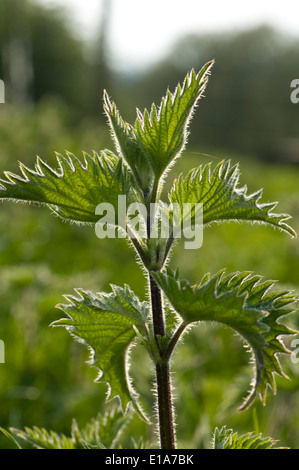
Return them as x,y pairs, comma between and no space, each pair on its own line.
124,136
248,110
110,324
104,430
162,133
48,62
222,199
74,189
43,439
104,322
101,432
242,302
227,439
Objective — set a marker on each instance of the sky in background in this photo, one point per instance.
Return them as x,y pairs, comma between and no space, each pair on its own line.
141,31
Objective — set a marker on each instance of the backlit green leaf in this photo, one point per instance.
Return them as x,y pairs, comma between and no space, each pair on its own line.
40,438
228,439
74,189
101,432
104,323
127,146
222,199
162,133
244,303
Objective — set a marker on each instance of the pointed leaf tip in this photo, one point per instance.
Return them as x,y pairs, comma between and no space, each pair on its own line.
162,135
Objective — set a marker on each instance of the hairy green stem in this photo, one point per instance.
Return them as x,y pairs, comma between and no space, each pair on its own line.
166,422
165,410
157,308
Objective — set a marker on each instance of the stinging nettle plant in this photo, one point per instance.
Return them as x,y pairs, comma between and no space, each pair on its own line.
110,323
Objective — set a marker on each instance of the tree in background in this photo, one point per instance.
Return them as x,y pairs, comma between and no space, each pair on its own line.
250,109
40,56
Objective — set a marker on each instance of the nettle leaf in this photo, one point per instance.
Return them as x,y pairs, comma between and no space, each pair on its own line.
74,189
246,304
228,439
41,438
222,199
101,432
127,146
104,323
162,133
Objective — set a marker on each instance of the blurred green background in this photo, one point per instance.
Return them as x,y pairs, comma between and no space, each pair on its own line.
53,103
